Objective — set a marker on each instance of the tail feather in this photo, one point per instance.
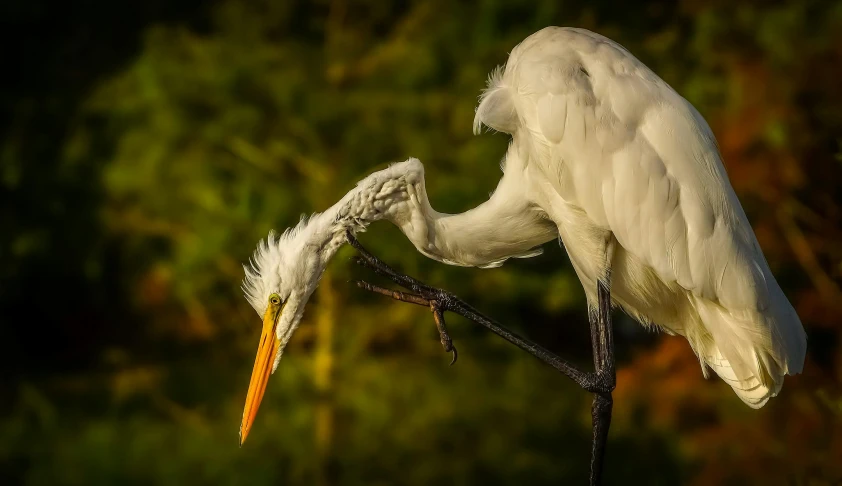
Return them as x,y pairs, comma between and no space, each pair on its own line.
752,352
751,390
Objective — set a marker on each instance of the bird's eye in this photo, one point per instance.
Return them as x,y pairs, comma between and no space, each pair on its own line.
274,299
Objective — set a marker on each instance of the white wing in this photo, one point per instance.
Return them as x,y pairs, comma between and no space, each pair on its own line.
643,163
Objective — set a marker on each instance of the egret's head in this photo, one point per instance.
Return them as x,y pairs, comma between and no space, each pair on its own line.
283,273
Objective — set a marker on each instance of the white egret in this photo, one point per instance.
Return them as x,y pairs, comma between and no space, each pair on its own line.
608,158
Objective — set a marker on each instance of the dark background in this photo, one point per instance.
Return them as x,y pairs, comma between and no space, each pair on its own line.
147,146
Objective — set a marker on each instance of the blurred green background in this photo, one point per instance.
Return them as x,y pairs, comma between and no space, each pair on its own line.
147,146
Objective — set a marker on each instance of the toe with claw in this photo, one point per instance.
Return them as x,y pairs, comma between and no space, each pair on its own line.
436,308
446,342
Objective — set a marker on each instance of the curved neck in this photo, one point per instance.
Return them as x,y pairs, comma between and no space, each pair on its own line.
396,194
505,226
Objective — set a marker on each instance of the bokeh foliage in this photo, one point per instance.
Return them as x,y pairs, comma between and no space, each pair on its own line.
147,150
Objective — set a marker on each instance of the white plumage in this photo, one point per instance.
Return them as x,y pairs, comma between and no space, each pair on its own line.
610,159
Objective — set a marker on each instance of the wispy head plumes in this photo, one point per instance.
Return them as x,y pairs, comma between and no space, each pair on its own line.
267,255
275,257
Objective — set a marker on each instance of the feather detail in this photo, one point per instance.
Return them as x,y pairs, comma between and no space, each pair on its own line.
496,109
618,152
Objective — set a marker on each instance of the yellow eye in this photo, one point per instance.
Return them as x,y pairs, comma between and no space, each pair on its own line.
274,299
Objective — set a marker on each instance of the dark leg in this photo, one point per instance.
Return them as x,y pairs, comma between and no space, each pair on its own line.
602,339
601,415
449,302
600,382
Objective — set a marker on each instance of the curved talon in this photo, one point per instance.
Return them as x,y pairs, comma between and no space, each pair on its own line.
438,300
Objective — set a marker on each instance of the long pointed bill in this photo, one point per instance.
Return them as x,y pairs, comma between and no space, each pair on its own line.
266,352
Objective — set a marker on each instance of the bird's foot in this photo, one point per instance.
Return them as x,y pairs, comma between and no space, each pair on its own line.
446,342
600,382
439,301
436,307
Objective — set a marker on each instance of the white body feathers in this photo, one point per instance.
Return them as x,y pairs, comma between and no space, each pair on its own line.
616,150
611,160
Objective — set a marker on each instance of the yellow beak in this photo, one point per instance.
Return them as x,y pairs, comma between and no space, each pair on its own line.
266,352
